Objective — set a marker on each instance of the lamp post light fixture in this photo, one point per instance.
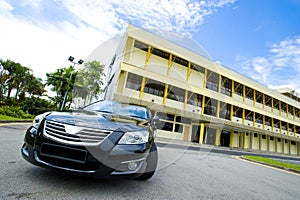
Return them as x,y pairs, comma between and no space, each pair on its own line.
71,59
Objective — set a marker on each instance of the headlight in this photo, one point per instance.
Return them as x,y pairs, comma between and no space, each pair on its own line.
38,119
138,137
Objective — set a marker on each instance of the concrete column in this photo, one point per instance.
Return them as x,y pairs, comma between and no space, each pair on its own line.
231,139
282,145
275,142
268,142
259,141
251,140
244,140
218,136
201,133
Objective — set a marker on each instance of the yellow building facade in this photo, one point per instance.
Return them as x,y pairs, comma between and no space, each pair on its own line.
200,100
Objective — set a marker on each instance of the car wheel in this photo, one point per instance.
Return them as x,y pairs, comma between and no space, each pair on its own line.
151,164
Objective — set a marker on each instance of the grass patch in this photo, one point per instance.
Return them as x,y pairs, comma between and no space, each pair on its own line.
272,162
4,117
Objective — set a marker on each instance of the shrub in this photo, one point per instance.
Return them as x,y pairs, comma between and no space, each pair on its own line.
14,111
36,106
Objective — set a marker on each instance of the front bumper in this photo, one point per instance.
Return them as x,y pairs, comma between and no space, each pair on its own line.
105,160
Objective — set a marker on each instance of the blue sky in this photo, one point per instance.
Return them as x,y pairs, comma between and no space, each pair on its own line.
258,38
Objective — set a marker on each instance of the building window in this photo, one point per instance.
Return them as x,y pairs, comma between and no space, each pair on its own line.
248,115
263,137
160,53
297,112
237,112
141,45
276,123
167,126
194,99
276,104
259,97
268,100
238,88
154,87
212,81
226,86
258,118
180,61
178,128
283,107
255,135
268,121
225,110
210,107
297,129
134,81
166,116
271,138
249,93
283,126
278,139
197,68
291,109
183,120
290,127
176,93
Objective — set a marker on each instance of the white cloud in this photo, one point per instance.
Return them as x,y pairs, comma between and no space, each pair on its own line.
5,7
176,15
280,67
43,37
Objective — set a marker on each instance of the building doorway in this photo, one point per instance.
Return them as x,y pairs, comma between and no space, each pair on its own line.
225,138
195,133
211,136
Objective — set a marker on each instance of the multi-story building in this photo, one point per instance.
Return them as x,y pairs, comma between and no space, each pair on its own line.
199,99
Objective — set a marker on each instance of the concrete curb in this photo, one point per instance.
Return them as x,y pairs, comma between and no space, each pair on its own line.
214,149
270,165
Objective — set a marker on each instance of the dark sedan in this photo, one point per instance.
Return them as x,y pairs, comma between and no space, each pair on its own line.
105,139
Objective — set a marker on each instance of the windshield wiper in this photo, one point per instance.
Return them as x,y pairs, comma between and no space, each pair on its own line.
136,116
103,111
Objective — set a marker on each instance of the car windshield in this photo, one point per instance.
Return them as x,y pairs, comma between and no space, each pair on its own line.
117,108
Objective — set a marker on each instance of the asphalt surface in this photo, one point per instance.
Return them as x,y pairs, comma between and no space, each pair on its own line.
182,174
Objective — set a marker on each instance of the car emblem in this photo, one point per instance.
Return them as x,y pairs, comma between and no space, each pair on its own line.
72,129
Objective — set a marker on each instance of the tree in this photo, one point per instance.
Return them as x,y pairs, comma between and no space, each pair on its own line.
62,81
89,81
19,79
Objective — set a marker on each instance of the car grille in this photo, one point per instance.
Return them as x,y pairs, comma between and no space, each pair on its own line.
75,135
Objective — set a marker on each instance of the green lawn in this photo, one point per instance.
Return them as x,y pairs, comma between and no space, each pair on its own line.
273,162
4,117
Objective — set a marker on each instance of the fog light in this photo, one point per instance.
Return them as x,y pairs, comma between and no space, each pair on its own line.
25,150
132,165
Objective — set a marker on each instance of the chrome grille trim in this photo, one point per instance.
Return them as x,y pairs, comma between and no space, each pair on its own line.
79,136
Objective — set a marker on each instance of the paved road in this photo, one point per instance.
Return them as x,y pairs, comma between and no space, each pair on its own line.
183,174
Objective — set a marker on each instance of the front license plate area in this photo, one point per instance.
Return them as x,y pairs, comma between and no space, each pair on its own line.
63,153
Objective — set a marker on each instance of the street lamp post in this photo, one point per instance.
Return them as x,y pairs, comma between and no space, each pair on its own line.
71,59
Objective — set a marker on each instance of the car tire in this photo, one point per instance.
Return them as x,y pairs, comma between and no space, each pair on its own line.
151,164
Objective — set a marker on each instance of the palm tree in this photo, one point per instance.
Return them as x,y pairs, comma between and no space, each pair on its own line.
62,81
89,81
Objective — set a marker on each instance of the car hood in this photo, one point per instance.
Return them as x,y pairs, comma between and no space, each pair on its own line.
97,121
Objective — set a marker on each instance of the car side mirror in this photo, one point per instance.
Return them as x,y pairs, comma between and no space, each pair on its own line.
157,123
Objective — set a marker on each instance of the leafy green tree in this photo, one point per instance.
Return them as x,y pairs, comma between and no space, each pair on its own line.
17,78
62,81
89,81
